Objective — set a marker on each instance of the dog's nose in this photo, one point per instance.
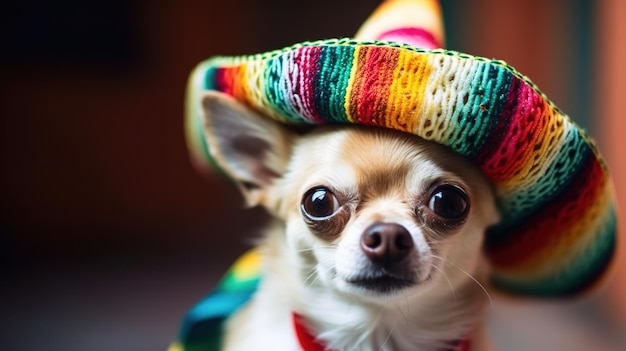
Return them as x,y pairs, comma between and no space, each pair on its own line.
386,243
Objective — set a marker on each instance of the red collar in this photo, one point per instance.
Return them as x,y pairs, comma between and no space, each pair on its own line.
308,342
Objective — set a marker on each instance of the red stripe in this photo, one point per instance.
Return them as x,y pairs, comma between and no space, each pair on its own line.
521,124
225,80
306,60
370,91
549,228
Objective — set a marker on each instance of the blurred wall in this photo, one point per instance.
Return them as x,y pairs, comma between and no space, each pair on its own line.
609,97
91,145
92,154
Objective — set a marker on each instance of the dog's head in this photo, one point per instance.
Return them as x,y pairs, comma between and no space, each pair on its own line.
374,213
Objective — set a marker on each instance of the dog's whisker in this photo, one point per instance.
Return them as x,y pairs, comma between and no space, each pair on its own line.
382,347
404,315
311,277
445,276
475,281
443,273
316,247
348,311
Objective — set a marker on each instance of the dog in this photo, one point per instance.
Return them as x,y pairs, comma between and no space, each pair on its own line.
377,242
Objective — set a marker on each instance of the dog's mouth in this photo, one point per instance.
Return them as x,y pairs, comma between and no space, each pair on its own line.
383,283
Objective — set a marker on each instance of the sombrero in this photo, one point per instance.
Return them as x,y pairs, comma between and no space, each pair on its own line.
558,228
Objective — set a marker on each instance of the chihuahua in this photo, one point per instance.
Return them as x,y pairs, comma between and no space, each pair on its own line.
378,237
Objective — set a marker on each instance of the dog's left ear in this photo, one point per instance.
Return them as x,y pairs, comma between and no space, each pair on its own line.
251,149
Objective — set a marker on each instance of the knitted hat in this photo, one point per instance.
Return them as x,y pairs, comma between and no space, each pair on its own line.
557,233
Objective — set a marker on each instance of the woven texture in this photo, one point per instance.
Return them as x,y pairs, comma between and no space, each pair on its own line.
558,229
415,22
202,327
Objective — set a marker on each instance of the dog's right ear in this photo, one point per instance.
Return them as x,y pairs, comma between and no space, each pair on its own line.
251,149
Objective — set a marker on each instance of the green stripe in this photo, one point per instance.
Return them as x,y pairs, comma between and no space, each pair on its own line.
487,94
585,267
332,82
277,92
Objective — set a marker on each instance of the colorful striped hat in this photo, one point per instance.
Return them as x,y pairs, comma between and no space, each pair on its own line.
558,228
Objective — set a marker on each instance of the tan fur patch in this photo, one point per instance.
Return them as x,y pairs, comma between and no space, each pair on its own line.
380,164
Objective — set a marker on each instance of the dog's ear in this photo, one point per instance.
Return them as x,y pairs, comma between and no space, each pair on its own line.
249,147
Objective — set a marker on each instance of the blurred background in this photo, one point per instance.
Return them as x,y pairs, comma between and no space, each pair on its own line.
107,233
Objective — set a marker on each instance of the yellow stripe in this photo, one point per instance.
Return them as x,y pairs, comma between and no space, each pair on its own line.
248,265
407,91
353,76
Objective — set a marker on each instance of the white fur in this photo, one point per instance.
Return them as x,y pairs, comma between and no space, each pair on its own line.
310,275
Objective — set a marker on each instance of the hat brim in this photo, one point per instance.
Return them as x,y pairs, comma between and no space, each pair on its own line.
557,234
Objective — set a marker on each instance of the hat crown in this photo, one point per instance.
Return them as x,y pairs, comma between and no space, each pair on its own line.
415,22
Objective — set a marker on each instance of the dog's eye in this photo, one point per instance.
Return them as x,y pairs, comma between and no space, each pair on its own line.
319,203
449,202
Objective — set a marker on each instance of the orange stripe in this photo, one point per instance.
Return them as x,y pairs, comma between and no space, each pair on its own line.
370,91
